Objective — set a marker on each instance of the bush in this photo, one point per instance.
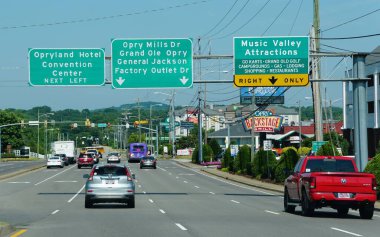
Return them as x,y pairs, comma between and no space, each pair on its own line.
286,164
242,159
8,155
206,154
215,146
263,164
304,151
373,167
227,161
328,149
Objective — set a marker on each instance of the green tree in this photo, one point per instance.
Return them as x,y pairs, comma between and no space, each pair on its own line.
287,162
328,149
242,160
263,164
10,135
215,146
373,167
134,138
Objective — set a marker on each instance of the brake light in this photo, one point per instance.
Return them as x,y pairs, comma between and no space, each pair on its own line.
129,178
90,178
312,182
374,185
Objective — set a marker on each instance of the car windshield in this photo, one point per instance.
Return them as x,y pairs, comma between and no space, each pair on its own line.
329,165
110,170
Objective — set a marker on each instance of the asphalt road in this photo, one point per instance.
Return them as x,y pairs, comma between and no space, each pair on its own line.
170,201
14,166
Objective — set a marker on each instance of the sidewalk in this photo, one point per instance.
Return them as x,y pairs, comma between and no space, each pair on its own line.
241,179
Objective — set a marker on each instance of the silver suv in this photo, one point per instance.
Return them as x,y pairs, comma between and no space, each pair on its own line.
110,183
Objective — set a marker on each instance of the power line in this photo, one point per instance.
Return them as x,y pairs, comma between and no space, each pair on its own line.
349,37
278,16
246,23
233,18
221,20
295,19
104,17
349,21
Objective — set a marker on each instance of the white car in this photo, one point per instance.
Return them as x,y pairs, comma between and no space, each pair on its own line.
55,161
113,157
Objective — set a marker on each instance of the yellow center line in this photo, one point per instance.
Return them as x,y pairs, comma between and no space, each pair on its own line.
18,233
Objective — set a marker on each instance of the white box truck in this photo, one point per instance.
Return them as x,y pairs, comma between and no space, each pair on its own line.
64,147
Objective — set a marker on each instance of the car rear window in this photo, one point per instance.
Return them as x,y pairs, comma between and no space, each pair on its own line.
138,149
113,170
329,165
54,158
148,158
85,156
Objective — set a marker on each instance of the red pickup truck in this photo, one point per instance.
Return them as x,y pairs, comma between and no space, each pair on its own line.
333,181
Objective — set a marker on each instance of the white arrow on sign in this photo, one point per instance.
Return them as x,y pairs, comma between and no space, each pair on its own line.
183,80
120,80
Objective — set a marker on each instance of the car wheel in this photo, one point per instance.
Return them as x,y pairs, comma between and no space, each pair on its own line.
79,166
288,208
307,205
342,211
62,166
47,167
366,211
88,203
131,202
141,167
155,167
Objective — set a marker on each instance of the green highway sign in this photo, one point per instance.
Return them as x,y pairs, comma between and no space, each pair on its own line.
152,63
102,125
66,67
271,61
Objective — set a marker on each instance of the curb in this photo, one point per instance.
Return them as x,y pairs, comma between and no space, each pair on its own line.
244,180
20,172
5,229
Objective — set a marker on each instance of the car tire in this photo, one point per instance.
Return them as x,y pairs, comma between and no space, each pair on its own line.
155,167
287,207
79,166
62,166
342,211
366,211
307,205
141,167
131,203
88,203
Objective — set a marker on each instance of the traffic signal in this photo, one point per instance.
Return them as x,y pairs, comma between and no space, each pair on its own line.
87,123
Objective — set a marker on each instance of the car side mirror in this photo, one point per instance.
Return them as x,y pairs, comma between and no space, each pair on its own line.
133,176
86,176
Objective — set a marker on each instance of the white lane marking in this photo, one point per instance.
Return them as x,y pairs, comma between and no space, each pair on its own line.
221,180
68,181
177,177
235,201
162,211
272,212
139,186
376,215
170,173
54,175
180,226
185,182
150,200
19,182
345,231
183,174
196,186
54,212
212,193
144,192
161,168
80,190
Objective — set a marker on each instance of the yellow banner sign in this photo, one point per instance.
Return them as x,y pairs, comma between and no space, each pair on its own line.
265,80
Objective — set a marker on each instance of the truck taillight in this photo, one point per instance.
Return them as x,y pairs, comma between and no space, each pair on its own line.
312,182
374,185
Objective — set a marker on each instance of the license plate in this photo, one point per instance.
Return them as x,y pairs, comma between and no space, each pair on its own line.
344,195
111,181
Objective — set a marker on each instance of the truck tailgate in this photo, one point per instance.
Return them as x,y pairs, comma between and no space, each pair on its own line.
343,182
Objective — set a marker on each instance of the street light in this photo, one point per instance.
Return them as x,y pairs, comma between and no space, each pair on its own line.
172,118
38,134
150,122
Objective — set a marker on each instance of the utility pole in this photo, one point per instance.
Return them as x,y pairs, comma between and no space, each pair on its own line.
139,108
300,124
173,125
200,144
316,72
253,138
38,133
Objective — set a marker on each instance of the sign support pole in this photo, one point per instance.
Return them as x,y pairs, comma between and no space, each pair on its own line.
253,143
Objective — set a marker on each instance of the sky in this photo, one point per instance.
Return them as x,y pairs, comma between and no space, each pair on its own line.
93,24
